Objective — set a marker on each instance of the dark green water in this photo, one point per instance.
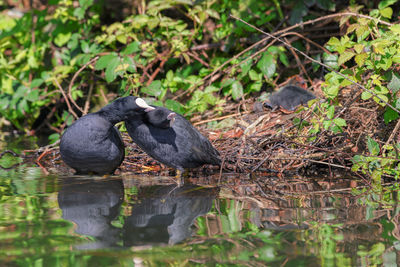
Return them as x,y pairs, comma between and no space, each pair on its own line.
132,220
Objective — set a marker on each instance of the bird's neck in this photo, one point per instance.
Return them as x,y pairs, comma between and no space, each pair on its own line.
111,114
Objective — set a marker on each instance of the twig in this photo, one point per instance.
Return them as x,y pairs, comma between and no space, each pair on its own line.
198,59
317,62
154,74
73,80
87,103
301,66
66,99
206,46
220,118
396,128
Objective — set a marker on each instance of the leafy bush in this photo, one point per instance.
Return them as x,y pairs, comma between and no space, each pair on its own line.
162,52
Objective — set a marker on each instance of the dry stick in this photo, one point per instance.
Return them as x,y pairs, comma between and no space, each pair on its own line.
308,40
396,128
154,74
73,80
296,57
198,59
316,61
87,103
221,118
66,99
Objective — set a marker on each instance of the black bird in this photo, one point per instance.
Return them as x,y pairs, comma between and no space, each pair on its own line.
171,139
289,97
92,144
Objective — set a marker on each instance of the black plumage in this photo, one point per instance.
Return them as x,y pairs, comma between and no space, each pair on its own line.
171,139
289,97
92,144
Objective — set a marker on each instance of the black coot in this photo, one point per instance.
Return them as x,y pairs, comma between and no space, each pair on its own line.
289,97
171,139
92,144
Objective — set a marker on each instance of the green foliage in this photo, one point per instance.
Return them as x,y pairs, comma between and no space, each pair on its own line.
149,53
369,55
378,164
369,49
30,63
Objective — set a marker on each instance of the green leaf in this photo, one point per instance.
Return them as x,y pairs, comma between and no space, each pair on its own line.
340,122
131,66
394,84
366,95
104,61
334,41
284,59
298,11
385,3
174,106
54,138
331,60
62,38
255,86
36,82
386,12
154,89
331,112
85,3
227,82
267,65
362,32
254,76
79,13
360,59
390,115
246,66
237,90
359,48
395,28
33,96
131,48
331,91
110,72
373,146
213,13
379,101
345,56
85,47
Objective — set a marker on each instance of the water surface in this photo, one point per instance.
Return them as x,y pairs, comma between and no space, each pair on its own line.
139,220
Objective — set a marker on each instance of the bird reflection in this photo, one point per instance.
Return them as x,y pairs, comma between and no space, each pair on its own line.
92,205
166,214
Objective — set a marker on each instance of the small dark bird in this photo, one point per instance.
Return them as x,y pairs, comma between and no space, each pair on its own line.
92,144
289,97
171,139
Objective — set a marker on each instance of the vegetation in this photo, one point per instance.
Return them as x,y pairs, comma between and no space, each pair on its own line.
65,59
160,51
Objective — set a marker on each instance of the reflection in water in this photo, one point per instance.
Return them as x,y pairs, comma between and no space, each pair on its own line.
92,205
163,214
167,214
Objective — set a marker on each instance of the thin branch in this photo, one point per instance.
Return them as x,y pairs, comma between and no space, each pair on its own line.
73,80
87,103
66,99
154,74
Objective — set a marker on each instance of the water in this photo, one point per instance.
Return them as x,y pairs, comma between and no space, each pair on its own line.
138,220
